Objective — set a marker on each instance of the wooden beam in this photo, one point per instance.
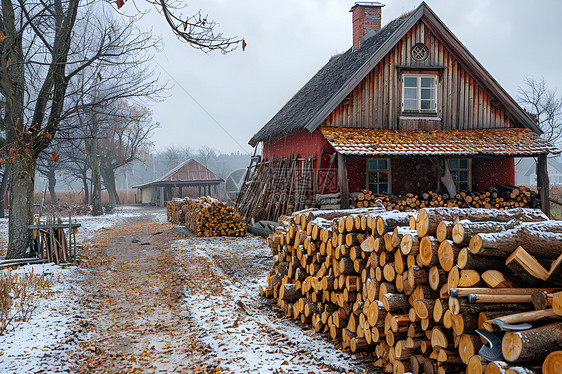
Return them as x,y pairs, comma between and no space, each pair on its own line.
343,181
543,184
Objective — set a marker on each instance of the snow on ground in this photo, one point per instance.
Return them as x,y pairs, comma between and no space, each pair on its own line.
241,328
24,345
27,345
121,214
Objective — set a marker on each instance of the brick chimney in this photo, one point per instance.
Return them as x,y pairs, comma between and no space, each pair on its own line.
366,17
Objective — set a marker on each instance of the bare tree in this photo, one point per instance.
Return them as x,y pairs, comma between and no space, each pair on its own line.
206,153
124,140
544,105
41,57
198,30
175,155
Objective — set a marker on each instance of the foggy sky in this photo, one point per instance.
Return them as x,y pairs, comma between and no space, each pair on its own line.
290,40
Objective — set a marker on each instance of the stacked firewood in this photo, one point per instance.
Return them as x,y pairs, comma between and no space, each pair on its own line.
206,216
175,210
499,197
414,291
276,187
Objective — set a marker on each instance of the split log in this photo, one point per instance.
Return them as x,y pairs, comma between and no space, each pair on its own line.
468,346
495,279
526,266
555,273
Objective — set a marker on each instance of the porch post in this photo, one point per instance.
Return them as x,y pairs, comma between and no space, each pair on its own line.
343,181
543,184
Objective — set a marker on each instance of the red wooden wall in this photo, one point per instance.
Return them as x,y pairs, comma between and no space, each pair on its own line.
487,172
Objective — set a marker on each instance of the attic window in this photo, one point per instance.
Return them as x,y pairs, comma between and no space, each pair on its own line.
419,93
420,52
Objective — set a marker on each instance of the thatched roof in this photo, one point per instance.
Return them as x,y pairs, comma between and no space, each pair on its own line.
323,86
320,95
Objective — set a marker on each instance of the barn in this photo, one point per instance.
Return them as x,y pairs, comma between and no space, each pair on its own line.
407,104
189,178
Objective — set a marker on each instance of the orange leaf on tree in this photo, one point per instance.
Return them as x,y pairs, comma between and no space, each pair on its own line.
55,156
244,44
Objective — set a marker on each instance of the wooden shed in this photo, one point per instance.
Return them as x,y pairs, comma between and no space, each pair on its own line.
187,179
405,103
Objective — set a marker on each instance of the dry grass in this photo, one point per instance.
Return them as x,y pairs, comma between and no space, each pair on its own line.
77,197
18,293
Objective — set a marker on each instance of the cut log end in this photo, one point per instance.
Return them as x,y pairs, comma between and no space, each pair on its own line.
553,363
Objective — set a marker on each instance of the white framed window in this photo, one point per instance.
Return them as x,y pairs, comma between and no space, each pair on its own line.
461,171
378,175
419,93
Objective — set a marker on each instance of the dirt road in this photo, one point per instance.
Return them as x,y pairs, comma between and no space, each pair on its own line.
154,299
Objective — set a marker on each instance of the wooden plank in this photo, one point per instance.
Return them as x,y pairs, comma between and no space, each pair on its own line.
343,181
543,184
455,97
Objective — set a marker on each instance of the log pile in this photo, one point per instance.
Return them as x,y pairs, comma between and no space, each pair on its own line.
499,197
175,211
277,187
205,216
413,290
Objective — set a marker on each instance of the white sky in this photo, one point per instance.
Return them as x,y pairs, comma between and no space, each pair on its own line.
290,40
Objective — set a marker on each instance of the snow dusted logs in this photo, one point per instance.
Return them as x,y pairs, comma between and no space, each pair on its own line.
408,290
206,216
499,197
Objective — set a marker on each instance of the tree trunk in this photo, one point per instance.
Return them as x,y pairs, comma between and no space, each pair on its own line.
4,189
96,178
21,207
109,181
86,189
52,183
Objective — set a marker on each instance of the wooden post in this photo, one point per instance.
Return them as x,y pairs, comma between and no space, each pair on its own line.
161,196
180,191
543,184
343,181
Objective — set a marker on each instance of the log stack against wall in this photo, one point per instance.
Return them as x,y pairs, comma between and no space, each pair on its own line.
410,289
206,216
499,197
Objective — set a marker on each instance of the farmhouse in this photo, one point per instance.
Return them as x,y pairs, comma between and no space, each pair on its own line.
190,178
407,105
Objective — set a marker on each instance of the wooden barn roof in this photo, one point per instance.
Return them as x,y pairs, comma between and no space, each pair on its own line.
325,91
189,172
385,143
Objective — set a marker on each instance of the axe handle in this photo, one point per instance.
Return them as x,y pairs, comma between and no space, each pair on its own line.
526,317
464,292
499,299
